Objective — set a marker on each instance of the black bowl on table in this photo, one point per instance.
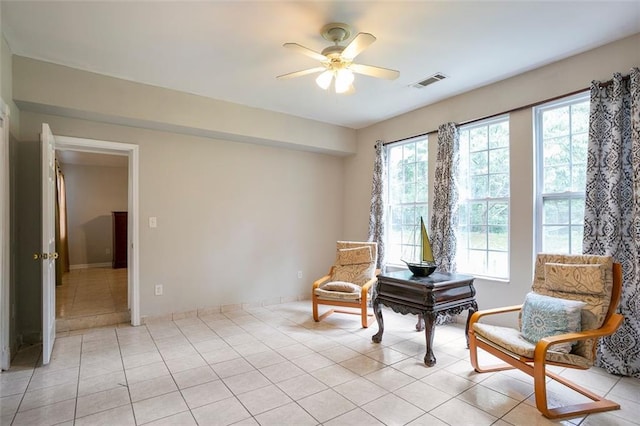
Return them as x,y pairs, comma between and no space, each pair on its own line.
421,269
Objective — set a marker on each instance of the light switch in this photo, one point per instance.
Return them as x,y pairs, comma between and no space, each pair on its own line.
153,222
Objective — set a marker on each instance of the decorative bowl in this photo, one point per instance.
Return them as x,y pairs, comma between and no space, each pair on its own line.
421,269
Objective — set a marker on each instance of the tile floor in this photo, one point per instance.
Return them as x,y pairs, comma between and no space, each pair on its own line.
91,297
275,366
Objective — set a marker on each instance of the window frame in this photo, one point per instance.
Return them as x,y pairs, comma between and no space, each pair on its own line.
487,200
540,196
389,206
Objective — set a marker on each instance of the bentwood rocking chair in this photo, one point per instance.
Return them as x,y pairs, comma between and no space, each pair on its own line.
573,303
349,281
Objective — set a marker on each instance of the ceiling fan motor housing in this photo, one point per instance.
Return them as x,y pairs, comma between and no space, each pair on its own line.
336,32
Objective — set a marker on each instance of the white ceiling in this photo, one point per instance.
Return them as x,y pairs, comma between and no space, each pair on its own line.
232,50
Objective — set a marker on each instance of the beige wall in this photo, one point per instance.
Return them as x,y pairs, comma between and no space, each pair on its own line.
55,89
93,192
236,222
6,85
550,81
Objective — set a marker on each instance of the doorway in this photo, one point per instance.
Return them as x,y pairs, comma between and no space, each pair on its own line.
91,270
88,282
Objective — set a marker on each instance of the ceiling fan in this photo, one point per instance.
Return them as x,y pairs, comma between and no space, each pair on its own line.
337,61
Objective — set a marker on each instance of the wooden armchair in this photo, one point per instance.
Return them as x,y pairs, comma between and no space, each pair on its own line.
349,281
590,284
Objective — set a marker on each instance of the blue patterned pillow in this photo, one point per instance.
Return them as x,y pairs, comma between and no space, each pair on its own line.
544,316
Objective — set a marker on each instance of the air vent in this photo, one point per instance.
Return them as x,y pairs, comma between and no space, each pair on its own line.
430,80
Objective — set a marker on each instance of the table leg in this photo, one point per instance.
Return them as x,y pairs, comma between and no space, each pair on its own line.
430,321
377,311
420,323
473,308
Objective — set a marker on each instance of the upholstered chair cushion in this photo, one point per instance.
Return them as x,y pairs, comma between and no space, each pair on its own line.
354,256
579,279
348,266
512,340
544,316
581,283
342,286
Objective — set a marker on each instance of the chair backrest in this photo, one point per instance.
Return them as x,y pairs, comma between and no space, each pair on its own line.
355,262
586,278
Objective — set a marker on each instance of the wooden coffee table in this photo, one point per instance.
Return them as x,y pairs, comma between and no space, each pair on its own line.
426,297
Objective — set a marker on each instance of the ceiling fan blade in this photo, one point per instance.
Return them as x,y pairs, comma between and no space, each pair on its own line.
306,51
301,73
377,72
357,45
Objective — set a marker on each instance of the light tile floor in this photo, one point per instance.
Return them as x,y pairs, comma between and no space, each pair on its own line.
275,366
91,297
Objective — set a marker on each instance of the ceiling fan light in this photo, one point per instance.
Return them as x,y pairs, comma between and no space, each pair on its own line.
324,79
344,78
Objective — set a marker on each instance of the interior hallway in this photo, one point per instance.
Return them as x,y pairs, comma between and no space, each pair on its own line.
93,297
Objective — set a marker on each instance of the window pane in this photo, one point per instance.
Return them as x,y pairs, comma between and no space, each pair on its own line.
577,211
557,151
408,235
555,122
562,136
478,262
578,177
499,135
477,213
556,179
479,163
579,148
479,186
478,237
577,233
409,193
484,189
499,185
555,239
498,237
478,139
409,171
556,212
580,117
407,197
499,160
421,211
498,213
409,153
498,264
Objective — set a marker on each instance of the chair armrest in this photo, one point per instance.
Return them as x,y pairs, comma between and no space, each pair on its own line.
317,283
366,286
486,312
540,352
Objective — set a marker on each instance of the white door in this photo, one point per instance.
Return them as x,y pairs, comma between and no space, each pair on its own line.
48,243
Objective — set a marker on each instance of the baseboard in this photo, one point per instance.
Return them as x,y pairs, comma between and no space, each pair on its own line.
216,309
90,265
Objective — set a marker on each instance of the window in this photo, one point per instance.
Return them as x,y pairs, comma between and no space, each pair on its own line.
407,198
562,131
483,221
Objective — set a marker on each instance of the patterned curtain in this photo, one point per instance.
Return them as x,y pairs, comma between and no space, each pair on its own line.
444,218
612,207
378,194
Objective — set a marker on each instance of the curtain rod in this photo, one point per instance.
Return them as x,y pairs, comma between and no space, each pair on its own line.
534,104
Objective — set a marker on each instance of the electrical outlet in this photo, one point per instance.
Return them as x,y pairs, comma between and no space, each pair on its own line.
299,274
159,290
153,222
107,250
